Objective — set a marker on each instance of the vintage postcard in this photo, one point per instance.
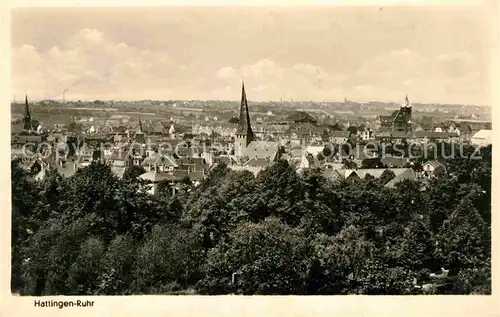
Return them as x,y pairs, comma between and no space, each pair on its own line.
250,152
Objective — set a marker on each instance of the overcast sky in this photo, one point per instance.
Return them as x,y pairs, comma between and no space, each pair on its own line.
433,55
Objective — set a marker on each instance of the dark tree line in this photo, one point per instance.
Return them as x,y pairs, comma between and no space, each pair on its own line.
276,233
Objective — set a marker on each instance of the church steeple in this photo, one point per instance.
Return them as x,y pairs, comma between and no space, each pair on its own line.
140,126
27,115
244,126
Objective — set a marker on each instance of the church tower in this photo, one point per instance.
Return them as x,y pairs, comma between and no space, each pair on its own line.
408,109
244,134
27,115
402,118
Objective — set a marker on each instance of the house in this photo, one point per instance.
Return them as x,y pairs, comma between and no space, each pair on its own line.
408,174
424,137
393,136
225,159
262,149
171,178
159,162
255,170
350,174
302,117
155,179
118,171
257,162
333,175
361,153
399,120
309,156
339,137
365,133
20,140
482,138
392,161
66,167
197,164
376,172
94,141
429,168
41,175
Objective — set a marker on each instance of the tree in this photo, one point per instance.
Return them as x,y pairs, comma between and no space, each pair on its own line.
386,176
369,177
117,266
280,190
372,163
74,127
84,273
348,264
417,247
267,258
168,260
24,200
464,238
353,130
349,164
132,172
216,175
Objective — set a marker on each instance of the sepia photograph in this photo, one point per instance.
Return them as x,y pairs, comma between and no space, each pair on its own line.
232,150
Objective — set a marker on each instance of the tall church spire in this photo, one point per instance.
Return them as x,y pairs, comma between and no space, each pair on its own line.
244,126
140,126
27,115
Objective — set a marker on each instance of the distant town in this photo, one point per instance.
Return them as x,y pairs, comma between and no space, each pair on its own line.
173,140
344,194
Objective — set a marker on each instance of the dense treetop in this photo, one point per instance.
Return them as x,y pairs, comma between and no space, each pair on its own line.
277,233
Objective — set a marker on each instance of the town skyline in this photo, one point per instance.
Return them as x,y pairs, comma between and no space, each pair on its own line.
195,57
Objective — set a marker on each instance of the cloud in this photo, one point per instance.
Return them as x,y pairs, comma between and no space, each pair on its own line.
400,52
226,72
88,62
91,65
444,77
268,80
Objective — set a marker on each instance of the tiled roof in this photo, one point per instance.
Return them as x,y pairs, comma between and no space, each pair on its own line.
157,159
400,135
253,169
119,129
19,138
407,174
483,134
224,159
339,134
155,177
176,176
301,116
314,150
262,149
434,134
257,162
385,118
118,171
434,163
333,174
391,161
118,155
375,172
198,163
